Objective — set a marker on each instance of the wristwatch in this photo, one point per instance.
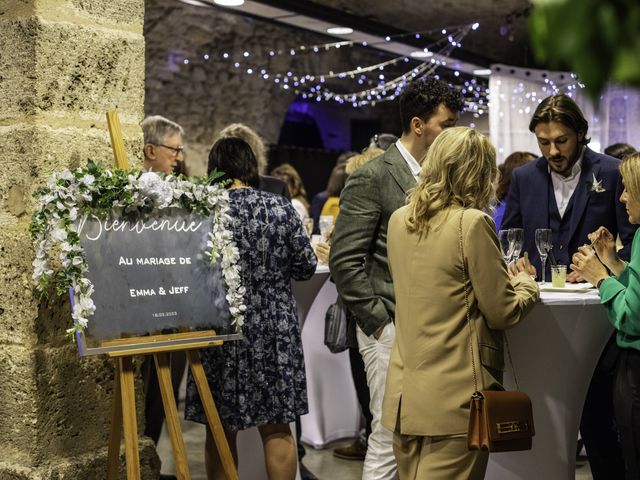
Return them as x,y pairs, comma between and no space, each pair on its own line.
600,281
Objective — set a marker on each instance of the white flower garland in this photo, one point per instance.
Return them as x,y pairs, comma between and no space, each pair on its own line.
98,190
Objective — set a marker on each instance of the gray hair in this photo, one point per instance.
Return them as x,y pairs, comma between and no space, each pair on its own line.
243,132
156,128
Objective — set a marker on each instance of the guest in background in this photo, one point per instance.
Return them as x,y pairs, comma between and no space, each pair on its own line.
259,380
279,187
570,189
163,153
515,160
335,185
619,150
573,190
266,183
358,259
431,378
357,450
620,294
319,199
359,160
291,177
163,150
382,141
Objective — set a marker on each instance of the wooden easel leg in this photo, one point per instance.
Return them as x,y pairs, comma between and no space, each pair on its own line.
129,418
113,458
211,411
171,415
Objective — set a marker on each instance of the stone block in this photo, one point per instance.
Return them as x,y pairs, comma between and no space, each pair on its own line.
120,12
99,69
17,66
18,302
69,68
73,401
29,154
18,397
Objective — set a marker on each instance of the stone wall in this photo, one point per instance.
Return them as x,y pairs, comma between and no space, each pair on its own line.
63,63
206,95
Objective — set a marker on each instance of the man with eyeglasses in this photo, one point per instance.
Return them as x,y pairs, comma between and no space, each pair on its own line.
163,150
163,153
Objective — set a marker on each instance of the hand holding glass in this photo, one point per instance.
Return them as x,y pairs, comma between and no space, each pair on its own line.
517,240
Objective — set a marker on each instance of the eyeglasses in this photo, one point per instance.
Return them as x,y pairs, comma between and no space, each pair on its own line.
176,150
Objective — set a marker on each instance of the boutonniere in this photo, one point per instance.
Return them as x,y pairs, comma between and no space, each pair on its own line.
595,185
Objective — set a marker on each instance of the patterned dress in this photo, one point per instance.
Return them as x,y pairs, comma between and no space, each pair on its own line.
261,378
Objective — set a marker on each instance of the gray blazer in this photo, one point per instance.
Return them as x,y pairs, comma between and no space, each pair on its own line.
358,260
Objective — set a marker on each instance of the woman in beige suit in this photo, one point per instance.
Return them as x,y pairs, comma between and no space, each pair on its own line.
430,378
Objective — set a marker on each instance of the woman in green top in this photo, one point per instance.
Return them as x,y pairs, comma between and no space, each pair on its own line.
620,294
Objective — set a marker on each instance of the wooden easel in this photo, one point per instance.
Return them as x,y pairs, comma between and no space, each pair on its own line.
123,415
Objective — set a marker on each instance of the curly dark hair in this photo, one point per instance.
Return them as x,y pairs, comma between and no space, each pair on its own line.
422,97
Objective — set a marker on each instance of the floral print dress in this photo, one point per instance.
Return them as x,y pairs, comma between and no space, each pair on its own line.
261,378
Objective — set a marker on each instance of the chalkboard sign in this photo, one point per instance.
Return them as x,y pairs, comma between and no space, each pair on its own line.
151,277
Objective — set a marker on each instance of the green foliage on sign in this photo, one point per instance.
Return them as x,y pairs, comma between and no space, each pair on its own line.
597,39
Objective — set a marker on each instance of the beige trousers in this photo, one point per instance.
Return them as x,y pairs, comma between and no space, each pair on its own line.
437,458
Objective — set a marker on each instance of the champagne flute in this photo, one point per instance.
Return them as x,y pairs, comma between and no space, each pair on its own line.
324,223
506,245
517,238
308,225
543,244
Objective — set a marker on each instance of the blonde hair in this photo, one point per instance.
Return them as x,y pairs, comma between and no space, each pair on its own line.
458,170
240,130
356,161
630,171
289,175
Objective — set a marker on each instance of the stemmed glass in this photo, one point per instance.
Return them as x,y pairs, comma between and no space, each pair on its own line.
308,226
324,223
517,239
506,245
543,244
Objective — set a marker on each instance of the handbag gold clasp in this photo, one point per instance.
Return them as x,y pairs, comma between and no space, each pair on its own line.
511,427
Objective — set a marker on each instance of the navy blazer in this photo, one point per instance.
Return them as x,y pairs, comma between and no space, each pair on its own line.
530,201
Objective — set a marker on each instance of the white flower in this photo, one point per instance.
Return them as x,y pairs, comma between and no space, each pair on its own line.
40,268
596,185
152,186
58,234
67,175
88,179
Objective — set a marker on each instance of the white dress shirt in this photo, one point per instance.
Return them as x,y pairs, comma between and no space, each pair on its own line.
563,187
414,166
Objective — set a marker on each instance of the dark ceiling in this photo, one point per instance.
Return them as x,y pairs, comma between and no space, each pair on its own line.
501,38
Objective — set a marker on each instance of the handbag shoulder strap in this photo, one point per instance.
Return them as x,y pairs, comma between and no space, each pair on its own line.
466,303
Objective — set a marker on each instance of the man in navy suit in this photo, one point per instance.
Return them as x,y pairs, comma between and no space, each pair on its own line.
573,190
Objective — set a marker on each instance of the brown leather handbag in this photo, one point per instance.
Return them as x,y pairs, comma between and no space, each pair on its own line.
499,420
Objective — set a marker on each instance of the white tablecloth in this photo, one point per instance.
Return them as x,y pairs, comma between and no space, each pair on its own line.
555,351
333,405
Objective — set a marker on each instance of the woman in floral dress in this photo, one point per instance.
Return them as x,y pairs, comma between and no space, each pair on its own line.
260,379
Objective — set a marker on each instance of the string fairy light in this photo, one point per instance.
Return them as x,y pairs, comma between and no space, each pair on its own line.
313,86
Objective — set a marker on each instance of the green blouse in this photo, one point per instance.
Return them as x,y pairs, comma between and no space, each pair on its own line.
621,297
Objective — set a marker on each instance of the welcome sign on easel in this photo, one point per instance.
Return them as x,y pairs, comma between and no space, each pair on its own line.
151,276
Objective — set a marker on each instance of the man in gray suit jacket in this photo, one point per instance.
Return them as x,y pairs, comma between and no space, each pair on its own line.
358,259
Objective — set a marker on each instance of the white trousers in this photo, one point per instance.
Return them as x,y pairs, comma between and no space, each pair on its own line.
380,462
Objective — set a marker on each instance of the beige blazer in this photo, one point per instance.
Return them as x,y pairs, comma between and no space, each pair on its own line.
430,377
